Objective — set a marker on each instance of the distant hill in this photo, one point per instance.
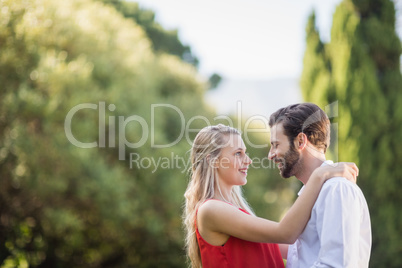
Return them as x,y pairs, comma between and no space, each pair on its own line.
256,97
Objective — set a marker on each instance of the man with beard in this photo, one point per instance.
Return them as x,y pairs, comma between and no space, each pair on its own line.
338,233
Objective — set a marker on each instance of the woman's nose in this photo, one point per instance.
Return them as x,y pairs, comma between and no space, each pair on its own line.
248,160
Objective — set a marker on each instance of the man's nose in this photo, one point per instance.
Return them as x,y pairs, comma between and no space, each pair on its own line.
271,154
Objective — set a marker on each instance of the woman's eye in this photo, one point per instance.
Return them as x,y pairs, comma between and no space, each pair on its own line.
238,153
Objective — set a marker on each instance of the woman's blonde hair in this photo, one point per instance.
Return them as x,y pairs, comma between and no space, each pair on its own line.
207,147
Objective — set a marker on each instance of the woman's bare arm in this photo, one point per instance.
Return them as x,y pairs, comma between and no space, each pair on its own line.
222,218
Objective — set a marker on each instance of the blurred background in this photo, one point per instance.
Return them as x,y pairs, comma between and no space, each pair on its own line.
138,73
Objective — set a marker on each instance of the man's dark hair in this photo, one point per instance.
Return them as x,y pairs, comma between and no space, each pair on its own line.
305,118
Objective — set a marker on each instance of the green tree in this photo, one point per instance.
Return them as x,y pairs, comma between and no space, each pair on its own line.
163,40
64,206
316,72
214,81
364,77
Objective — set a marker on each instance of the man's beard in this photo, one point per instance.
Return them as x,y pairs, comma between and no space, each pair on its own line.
290,163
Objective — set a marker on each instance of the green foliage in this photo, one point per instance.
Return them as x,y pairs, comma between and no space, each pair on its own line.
63,206
316,71
214,80
162,40
363,75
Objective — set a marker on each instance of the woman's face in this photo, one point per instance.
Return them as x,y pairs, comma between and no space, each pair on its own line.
233,162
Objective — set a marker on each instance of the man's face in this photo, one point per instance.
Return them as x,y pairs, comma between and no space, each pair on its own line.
283,153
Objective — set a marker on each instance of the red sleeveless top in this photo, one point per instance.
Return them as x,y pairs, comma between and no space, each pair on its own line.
238,253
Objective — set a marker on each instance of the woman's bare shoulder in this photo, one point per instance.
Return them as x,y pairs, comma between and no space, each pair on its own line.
213,208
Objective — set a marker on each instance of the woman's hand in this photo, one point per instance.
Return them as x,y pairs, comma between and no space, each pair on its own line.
342,169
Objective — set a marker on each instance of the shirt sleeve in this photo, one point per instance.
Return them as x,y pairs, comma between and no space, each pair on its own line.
338,222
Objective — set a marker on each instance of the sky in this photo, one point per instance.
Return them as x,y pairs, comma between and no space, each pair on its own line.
239,39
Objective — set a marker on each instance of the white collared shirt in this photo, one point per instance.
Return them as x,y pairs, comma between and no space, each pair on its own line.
338,233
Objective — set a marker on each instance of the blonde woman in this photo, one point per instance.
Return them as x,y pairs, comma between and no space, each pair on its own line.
221,229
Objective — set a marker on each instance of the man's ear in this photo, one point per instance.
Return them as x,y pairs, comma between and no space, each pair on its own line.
301,141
